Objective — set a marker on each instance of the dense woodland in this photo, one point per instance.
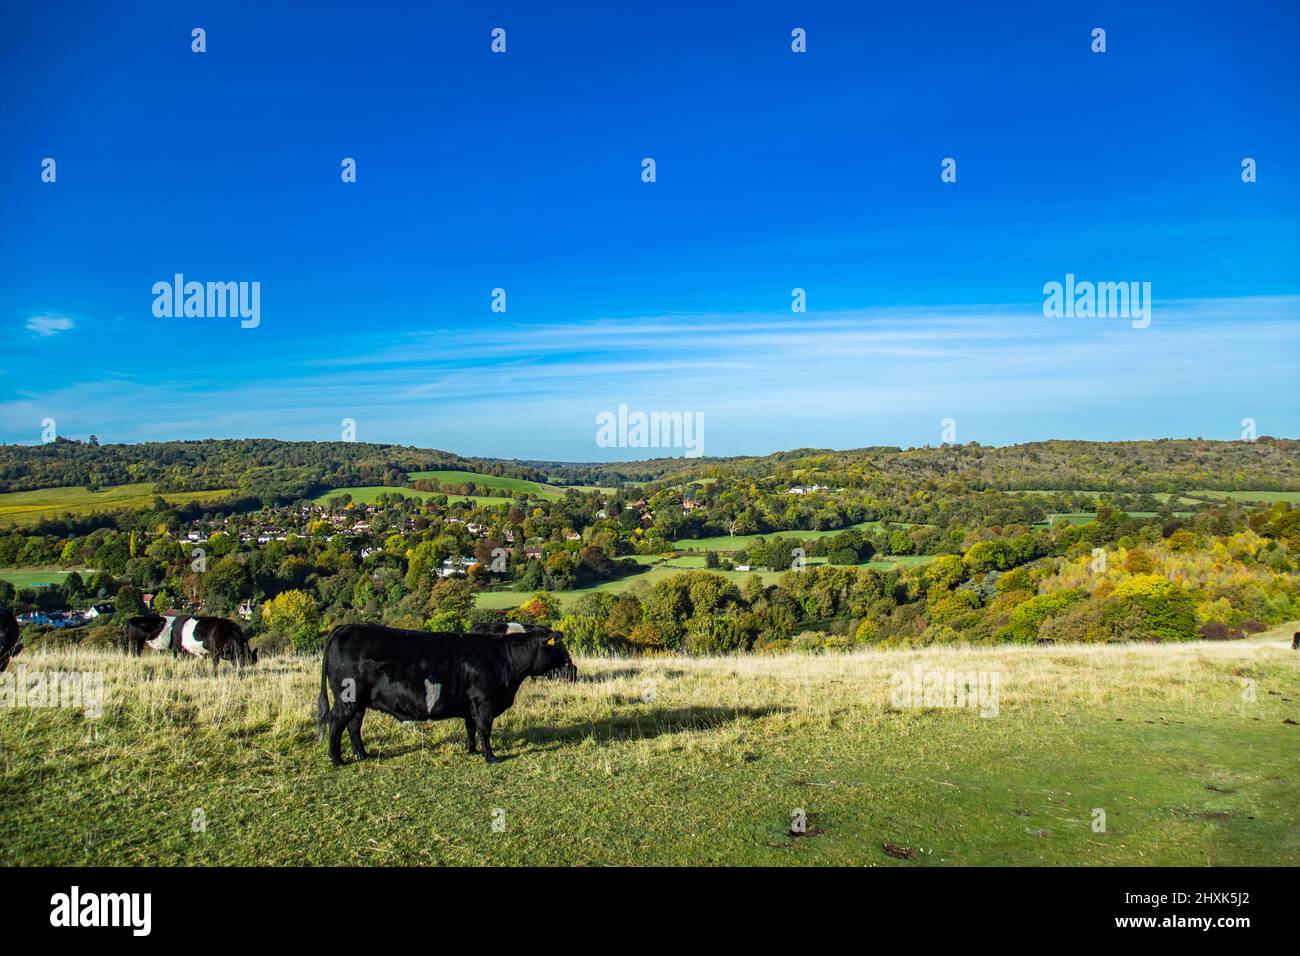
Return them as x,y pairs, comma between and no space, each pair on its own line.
951,544
279,470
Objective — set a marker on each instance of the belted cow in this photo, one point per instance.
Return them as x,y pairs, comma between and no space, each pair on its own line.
9,646
214,637
418,675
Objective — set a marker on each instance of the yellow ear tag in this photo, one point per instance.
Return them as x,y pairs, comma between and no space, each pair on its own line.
551,641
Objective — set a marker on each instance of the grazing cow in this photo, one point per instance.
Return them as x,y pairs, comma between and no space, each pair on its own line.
418,675
216,637
1295,642
9,646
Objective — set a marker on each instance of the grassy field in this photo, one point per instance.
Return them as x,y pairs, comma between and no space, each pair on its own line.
493,483
677,760
1291,497
19,508
27,577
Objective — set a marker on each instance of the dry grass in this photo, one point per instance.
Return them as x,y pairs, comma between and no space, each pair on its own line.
680,760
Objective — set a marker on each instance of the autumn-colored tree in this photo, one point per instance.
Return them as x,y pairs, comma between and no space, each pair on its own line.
294,614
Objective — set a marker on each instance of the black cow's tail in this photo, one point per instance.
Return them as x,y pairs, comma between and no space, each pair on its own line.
323,704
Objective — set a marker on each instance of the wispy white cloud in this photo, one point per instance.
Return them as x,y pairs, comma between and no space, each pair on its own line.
763,381
47,325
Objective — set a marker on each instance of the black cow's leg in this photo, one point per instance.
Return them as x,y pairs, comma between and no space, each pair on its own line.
354,732
484,723
337,724
470,745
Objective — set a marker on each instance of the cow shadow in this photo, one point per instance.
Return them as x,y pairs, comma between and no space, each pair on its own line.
601,677
637,725
541,738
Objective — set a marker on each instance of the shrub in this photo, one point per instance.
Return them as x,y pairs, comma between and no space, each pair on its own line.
1023,623
1138,561
583,633
1159,609
713,634
1215,631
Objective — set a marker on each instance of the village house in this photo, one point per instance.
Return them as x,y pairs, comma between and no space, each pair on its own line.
807,489
453,566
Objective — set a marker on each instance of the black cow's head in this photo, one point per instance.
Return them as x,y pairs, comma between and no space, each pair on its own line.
9,646
552,655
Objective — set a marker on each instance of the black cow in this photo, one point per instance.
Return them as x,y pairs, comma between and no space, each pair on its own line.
418,675
9,646
1295,643
216,637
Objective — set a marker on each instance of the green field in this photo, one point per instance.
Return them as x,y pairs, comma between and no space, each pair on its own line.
28,578
682,761
1291,497
19,508
489,482
493,483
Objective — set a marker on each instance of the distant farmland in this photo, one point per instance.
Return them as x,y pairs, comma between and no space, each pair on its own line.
35,579
19,508
1291,497
365,495
493,483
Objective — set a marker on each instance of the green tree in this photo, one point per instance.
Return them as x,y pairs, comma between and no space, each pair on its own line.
128,603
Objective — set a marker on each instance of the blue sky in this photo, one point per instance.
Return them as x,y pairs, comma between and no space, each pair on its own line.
775,170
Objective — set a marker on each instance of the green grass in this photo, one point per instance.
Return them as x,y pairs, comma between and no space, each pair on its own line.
681,761
493,483
1291,497
29,578
18,508
367,495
